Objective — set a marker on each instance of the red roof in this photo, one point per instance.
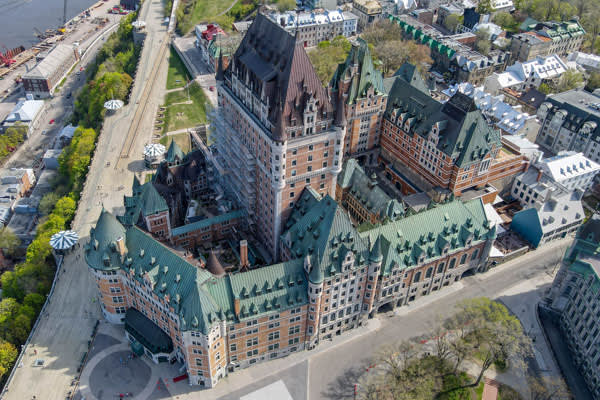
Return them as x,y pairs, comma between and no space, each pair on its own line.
211,31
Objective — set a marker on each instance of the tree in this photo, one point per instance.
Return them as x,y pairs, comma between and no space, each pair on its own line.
593,81
286,5
9,242
483,43
545,88
451,22
547,388
328,55
47,203
496,334
485,7
570,79
8,355
506,21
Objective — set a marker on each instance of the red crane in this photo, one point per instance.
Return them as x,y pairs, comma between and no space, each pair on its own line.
5,57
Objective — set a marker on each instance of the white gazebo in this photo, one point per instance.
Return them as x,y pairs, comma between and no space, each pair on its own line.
154,154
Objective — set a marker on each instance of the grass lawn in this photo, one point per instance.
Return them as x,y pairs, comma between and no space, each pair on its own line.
479,390
203,11
178,96
177,72
182,139
181,116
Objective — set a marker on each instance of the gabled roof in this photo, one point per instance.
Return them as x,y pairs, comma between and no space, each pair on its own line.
174,153
367,76
145,200
321,228
411,75
464,133
366,190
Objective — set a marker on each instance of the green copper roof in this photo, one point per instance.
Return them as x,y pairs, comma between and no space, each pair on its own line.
203,223
174,153
101,251
322,229
464,134
145,199
367,75
366,190
420,36
423,236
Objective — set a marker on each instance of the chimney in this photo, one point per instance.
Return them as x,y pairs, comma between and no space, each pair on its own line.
236,307
282,21
121,246
244,253
539,175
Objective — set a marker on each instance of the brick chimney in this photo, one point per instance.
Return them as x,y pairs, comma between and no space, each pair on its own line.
121,246
244,253
236,306
539,175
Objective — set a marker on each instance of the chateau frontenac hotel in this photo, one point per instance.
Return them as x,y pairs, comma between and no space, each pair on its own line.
257,253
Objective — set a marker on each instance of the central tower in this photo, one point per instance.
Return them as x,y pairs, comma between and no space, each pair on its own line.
277,130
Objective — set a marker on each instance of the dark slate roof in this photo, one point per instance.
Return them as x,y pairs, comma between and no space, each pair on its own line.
533,98
464,133
145,200
277,66
147,332
590,231
366,77
575,103
366,190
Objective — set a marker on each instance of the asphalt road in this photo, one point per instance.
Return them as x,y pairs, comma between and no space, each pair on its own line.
333,374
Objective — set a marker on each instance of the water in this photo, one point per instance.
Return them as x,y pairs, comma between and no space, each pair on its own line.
19,17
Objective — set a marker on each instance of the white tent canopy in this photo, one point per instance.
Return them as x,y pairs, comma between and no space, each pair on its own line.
154,150
138,24
64,240
113,105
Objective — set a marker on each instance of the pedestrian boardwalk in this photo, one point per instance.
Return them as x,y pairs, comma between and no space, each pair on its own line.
490,390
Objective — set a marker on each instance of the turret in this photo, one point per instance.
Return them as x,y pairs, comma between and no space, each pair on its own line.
315,293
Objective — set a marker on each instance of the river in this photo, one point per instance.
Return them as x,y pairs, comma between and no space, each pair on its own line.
18,18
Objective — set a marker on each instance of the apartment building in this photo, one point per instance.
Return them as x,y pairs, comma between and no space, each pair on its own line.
449,144
570,122
314,27
522,76
367,11
547,38
359,86
276,128
574,297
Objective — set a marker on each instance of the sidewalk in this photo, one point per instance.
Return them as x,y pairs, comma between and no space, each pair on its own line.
242,378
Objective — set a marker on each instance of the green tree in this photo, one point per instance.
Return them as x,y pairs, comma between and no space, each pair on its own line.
484,7
570,79
65,208
327,56
495,334
593,81
452,21
9,242
545,88
506,21
482,42
47,203
8,355
286,5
